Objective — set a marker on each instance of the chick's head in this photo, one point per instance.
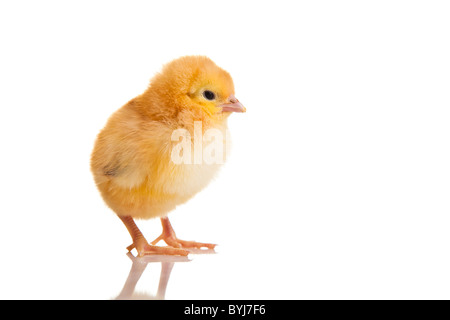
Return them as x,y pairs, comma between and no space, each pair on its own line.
195,84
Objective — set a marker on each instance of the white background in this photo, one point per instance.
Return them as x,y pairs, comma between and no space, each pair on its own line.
339,181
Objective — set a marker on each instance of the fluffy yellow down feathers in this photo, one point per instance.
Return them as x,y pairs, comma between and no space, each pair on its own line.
131,161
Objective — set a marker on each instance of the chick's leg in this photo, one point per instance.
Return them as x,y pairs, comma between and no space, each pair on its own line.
169,237
141,244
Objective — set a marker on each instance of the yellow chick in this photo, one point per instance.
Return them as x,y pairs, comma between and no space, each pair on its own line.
133,157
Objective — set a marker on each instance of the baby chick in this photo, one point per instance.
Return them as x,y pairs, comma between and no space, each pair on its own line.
131,161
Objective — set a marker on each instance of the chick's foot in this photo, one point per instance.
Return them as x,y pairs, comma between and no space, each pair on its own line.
178,243
144,249
169,237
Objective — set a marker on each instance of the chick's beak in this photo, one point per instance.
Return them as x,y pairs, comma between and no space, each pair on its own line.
233,105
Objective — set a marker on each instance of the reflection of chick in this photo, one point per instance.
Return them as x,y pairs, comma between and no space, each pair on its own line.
131,161
137,269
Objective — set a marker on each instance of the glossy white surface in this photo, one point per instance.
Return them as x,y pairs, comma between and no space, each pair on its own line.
338,184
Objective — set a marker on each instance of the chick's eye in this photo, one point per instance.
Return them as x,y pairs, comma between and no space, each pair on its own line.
209,95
